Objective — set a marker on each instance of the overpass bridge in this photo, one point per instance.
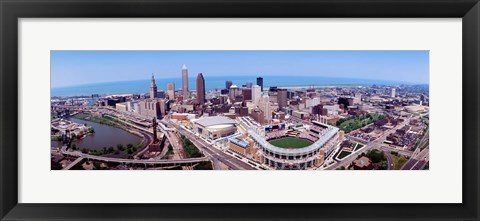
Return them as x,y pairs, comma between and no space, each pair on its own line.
160,162
69,166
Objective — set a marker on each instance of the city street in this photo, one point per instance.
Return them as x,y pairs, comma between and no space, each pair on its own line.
373,145
217,156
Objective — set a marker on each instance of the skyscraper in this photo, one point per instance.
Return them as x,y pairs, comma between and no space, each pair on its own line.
228,84
256,93
260,82
264,105
200,89
153,88
185,82
393,93
282,98
171,91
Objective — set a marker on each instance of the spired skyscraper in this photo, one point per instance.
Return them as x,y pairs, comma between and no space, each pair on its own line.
184,82
153,88
200,89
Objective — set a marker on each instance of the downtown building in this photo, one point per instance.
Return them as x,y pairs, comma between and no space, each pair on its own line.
234,92
260,82
171,91
200,89
256,94
214,127
185,82
282,98
228,84
265,106
153,88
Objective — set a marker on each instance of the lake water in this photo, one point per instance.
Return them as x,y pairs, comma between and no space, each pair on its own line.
211,83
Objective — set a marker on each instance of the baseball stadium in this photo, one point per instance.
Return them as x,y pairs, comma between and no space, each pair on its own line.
294,147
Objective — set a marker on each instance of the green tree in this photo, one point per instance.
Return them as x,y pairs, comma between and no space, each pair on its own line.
376,156
120,147
96,165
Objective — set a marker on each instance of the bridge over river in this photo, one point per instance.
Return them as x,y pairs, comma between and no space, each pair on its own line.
162,162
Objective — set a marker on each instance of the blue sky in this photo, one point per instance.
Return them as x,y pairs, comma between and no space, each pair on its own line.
85,67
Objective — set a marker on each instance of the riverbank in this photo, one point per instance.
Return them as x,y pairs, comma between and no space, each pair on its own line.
111,139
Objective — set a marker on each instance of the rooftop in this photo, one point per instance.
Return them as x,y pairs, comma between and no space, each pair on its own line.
239,142
216,120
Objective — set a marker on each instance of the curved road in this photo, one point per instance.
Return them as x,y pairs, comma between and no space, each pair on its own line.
389,160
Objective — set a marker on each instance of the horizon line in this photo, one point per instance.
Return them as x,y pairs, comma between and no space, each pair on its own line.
263,76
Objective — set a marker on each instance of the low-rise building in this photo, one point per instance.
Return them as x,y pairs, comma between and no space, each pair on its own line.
214,127
240,146
122,106
362,163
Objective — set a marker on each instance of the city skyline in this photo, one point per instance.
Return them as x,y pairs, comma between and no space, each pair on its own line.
245,123
74,68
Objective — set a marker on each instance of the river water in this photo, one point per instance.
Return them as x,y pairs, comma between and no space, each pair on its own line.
104,136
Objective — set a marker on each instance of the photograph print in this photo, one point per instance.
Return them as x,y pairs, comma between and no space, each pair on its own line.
239,110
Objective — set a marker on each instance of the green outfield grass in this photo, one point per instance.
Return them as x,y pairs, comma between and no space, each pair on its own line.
290,142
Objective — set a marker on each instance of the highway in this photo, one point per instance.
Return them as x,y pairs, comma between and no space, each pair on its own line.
147,140
409,164
180,157
217,156
178,151
420,165
188,161
419,156
418,160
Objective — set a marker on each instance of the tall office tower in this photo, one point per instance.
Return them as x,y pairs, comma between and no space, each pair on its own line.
249,84
256,93
393,92
260,82
153,88
200,89
228,84
282,98
264,105
185,82
171,91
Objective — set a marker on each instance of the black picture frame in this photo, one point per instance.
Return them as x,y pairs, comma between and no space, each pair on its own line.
11,11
